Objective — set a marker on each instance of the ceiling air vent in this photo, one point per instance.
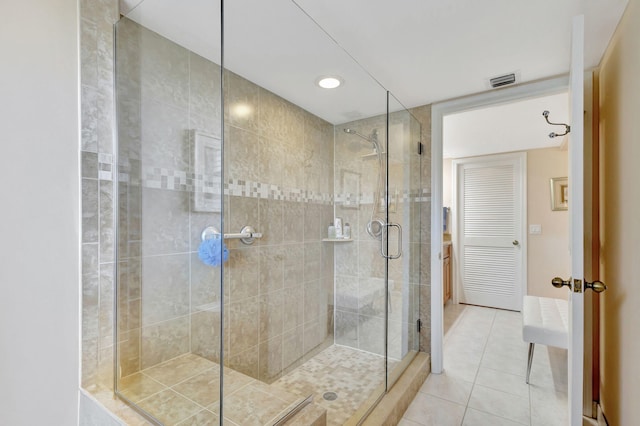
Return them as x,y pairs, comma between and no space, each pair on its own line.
503,80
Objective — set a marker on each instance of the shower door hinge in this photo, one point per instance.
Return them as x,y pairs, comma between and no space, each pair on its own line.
419,324
420,148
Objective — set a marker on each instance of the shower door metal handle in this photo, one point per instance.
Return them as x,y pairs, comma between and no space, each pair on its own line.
399,254
385,232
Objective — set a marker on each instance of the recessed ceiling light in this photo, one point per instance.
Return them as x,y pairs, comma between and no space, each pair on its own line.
329,82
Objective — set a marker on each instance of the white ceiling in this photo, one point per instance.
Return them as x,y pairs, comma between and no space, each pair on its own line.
423,51
427,50
517,126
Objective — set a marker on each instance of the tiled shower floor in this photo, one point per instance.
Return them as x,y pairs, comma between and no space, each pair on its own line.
352,374
185,391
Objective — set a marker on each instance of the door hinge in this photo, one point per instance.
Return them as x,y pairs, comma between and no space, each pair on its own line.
420,148
577,285
419,324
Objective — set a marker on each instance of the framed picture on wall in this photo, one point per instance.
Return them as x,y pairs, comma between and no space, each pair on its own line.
559,193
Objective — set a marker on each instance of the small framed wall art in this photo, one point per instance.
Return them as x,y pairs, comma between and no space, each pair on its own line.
559,194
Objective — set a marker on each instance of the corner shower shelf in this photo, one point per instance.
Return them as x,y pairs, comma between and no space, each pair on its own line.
337,240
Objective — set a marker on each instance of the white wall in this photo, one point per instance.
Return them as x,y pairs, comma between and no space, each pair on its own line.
39,219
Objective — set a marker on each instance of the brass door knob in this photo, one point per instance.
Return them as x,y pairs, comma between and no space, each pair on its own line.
515,242
558,282
597,286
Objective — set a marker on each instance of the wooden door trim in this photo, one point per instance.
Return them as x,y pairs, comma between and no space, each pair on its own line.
595,232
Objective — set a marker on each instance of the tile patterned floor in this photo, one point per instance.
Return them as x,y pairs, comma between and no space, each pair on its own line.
185,391
484,378
353,375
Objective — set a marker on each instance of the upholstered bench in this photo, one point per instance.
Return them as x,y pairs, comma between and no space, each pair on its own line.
544,321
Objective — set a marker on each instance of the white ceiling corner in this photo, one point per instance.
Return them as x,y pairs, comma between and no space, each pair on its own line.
421,51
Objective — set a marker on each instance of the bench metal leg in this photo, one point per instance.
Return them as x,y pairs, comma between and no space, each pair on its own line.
530,361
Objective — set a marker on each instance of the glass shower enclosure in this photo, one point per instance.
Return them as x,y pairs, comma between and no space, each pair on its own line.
233,301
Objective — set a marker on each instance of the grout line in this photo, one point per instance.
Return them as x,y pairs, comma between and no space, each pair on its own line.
190,400
530,405
191,377
493,331
452,330
165,387
499,416
466,410
171,388
189,196
153,394
153,324
505,372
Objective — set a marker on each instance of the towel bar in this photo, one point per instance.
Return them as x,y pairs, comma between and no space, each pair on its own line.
247,234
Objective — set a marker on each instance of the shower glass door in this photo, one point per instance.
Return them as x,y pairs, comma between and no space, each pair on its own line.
235,301
169,159
404,186
304,313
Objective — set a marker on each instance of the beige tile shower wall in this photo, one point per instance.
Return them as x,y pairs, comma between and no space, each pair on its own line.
277,294
406,205
96,77
275,132
154,102
153,92
360,273
131,268
278,164
280,290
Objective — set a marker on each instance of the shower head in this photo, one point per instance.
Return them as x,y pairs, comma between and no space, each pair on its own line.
354,132
375,225
373,139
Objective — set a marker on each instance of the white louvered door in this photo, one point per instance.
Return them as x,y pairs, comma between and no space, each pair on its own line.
490,217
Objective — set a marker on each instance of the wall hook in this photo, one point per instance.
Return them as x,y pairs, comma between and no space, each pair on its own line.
552,135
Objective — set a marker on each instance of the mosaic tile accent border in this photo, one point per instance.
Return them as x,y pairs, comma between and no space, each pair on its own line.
175,180
352,200
180,180
105,166
242,188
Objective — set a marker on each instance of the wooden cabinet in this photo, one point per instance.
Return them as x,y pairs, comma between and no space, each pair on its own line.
446,272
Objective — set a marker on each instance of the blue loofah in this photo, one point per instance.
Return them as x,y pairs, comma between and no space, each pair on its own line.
213,252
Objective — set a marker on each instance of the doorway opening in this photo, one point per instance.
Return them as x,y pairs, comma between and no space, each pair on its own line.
476,130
